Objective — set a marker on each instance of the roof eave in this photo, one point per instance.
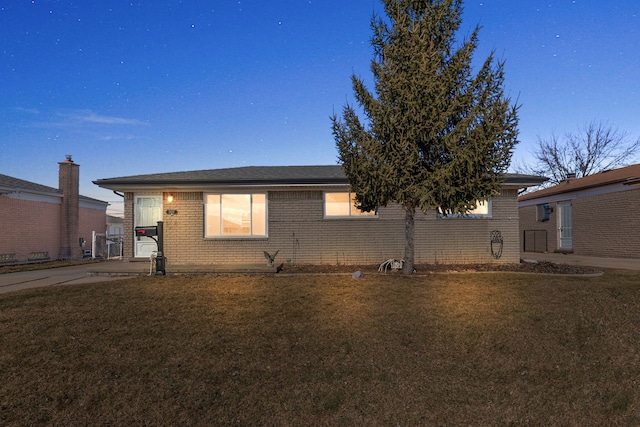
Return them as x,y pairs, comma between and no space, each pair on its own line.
559,190
524,181
17,190
159,183
125,185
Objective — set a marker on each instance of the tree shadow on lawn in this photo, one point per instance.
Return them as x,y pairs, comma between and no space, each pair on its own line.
324,350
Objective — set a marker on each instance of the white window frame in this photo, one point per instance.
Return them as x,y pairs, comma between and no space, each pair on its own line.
470,214
251,234
354,212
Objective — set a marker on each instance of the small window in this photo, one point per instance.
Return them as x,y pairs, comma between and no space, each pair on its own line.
543,212
235,215
343,205
482,210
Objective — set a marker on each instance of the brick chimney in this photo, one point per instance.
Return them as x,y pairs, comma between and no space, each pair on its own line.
68,183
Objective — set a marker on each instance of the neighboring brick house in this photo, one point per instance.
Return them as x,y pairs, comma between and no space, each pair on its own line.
44,223
230,216
598,215
115,225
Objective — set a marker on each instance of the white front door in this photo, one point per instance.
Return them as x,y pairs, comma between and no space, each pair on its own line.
148,211
565,226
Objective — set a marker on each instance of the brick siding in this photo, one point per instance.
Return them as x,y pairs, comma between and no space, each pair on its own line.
605,225
91,220
29,226
297,229
529,222
127,244
68,181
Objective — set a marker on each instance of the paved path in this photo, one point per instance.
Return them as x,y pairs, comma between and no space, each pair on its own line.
107,271
76,274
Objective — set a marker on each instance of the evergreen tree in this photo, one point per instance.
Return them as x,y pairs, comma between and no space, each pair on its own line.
435,135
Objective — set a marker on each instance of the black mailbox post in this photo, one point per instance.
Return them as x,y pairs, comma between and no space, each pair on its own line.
152,232
160,261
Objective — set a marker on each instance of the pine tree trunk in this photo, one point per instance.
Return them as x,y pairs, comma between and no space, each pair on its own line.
409,226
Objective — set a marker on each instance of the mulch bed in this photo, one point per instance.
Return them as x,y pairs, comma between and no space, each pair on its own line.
544,267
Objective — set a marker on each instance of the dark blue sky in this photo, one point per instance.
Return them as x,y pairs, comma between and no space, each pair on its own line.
153,86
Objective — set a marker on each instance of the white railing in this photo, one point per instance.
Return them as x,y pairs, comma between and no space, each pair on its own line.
106,246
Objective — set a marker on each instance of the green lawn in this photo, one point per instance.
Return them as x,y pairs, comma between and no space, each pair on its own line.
444,349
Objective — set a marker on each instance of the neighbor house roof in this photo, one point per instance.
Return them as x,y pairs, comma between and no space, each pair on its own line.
257,176
623,176
9,184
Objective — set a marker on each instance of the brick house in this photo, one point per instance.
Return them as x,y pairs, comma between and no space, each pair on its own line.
598,215
44,223
230,216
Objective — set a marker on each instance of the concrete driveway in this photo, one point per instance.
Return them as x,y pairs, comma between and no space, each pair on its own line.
76,274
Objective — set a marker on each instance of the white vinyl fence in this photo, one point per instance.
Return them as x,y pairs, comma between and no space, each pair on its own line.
106,246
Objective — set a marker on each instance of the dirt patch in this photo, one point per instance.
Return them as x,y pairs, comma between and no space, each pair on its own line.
543,267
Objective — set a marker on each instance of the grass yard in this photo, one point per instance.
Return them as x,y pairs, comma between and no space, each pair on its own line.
446,349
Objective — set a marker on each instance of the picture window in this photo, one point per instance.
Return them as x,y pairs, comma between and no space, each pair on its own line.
235,215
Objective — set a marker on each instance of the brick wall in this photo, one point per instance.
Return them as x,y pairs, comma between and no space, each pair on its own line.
29,227
297,228
68,183
91,220
127,243
529,222
468,240
607,225
48,226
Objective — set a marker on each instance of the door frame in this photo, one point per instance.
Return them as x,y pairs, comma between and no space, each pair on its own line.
565,226
143,246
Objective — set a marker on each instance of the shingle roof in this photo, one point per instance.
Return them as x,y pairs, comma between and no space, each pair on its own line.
259,175
243,175
11,183
626,175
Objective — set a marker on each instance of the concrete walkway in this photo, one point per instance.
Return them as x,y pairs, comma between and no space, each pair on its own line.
76,274
111,270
